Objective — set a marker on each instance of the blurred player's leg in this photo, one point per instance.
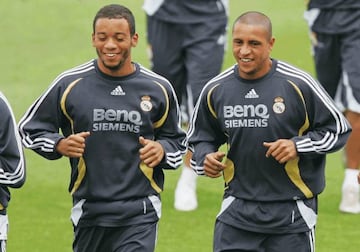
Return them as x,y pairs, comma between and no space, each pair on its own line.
4,224
338,70
349,96
350,200
185,192
350,192
199,71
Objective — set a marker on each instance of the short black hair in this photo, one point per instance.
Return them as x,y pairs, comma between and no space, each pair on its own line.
255,18
116,11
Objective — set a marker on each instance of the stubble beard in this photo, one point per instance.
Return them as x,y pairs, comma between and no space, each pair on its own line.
116,67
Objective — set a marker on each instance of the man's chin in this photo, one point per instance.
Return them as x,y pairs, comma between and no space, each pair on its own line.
113,66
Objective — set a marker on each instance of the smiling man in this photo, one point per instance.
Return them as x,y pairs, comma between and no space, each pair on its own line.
120,128
278,124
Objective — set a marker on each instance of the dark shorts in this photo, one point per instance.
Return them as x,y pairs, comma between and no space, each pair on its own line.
228,238
338,67
139,238
188,55
258,226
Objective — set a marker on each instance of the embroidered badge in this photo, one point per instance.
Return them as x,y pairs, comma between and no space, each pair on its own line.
279,105
145,103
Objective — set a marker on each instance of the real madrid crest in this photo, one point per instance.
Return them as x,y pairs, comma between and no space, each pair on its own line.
145,103
279,105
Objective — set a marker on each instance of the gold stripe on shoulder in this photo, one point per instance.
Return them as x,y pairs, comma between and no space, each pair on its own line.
63,99
211,108
306,121
161,121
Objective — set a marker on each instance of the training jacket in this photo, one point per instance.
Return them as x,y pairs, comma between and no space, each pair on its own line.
109,184
286,103
187,11
333,16
12,161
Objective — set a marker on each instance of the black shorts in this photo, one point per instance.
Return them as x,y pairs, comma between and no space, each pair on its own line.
188,55
229,238
338,67
247,225
139,238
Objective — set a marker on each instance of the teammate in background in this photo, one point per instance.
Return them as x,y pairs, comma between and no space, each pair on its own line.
186,40
12,164
278,124
120,125
335,37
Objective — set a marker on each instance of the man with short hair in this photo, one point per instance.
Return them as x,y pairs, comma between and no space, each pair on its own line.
120,127
278,124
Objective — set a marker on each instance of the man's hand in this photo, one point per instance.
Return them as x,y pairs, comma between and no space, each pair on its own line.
282,150
151,153
73,146
212,164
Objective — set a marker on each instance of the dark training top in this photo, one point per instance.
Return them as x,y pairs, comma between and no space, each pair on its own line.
334,16
286,103
189,11
12,161
109,184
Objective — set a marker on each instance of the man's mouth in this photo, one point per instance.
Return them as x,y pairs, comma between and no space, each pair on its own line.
110,54
245,60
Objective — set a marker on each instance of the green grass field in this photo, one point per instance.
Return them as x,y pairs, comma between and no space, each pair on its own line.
40,40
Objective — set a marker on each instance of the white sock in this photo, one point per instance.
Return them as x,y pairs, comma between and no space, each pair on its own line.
188,175
351,176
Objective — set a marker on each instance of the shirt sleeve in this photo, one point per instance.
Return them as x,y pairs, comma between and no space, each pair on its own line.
203,140
12,161
169,134
328,129
39,127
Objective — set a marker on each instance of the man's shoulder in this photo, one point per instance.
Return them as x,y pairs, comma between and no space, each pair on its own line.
151,75
78,70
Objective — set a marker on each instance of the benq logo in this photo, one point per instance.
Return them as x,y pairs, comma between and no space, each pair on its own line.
246,111
112,115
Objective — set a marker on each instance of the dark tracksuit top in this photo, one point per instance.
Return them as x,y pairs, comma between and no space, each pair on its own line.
284,104
12,161
188,11
109,184
334,16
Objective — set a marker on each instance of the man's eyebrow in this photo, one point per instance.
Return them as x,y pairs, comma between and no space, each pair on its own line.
117,33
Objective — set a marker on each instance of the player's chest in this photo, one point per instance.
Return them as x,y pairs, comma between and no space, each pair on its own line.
254,106
115,102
